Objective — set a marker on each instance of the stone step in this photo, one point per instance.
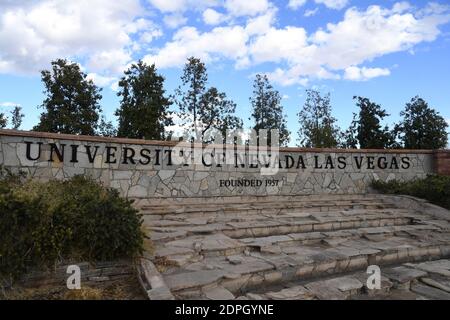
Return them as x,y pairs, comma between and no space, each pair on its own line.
262,201
295,246
276,227
332,215
333,237
180,220
226,200
298,206
403,282
253,214
220,244
244,273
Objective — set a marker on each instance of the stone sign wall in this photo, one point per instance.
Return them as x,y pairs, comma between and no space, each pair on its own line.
140,168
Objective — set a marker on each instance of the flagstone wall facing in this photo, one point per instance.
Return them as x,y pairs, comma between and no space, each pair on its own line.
142,169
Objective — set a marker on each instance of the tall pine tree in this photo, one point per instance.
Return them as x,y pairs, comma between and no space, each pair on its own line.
16,117
318,127
205,111
189,95
3,121
143,111
72,101
216,114
267,110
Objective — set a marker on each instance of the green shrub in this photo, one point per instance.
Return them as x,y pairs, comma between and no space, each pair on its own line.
43,223
106,226
434,188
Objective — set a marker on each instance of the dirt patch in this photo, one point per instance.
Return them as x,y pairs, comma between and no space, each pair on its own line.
127,288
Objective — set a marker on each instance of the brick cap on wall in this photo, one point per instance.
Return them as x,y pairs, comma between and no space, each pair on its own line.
60,136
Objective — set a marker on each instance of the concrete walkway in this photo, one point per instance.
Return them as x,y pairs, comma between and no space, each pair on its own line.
297,247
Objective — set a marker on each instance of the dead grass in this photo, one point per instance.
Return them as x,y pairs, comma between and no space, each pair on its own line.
123,289
162,264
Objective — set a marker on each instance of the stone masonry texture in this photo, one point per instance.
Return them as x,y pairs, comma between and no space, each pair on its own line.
146,169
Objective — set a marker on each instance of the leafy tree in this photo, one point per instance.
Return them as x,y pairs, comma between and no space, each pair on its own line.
366,126
267,109
3,121
203,109
216,113
422,127
106,128
16,117
143,111
72,102
318,127
349,136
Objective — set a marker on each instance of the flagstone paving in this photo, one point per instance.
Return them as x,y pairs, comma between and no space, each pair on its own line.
304,247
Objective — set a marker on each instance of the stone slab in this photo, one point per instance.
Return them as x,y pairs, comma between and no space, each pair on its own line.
403,274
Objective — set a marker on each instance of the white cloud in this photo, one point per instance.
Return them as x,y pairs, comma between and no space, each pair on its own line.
113,60
287,77
333,4
434,8
171,6
221,42
230,42
301,75
261,24
363,74
339,51
365,35
295,4
105,37
401,7
99,32
239,8
148,36
101,81
278,44
360,37
179,127
212,17
102,35
8,104
311,12
175,20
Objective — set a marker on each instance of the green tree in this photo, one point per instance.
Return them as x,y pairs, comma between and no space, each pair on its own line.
16,117
3,121
190,93
318,127
366,127
216,114
267,111
422,127
72,101
349,136
106,128
203,109
143,111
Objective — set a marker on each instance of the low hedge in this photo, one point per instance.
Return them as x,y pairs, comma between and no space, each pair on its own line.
434,188
42,223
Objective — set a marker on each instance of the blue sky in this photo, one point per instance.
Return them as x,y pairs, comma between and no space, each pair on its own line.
387,50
